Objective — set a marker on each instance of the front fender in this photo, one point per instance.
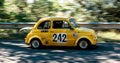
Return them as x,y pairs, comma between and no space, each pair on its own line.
82,38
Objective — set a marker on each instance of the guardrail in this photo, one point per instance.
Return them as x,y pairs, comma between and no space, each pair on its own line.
15,25
93,25
100,25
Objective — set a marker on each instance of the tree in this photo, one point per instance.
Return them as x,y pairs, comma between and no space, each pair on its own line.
41,8
1,3
103,10
82,10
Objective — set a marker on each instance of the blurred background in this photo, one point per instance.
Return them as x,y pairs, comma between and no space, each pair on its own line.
81,10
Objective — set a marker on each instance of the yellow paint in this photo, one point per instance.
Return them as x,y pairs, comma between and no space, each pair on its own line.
63,37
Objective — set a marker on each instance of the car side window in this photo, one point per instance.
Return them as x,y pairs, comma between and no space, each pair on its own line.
60,24
65,24
44,25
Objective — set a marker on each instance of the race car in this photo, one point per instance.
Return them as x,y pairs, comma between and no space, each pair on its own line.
60,31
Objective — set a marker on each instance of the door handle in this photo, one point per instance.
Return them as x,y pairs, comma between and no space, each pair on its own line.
44,30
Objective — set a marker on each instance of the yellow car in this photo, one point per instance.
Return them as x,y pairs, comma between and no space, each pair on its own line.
59,31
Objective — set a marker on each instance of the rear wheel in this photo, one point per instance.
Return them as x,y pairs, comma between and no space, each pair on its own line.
83,44
35,44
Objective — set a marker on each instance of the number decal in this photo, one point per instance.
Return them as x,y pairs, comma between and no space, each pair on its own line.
64,37
55,37
59,37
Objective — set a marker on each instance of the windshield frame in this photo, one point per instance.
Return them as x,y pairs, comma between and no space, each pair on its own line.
73,23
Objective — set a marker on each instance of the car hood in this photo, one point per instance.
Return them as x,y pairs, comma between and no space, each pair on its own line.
85,29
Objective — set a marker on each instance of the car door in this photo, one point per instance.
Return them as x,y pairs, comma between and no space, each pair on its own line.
61,34
43,31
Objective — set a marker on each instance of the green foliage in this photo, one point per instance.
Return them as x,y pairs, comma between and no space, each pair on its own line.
21,17
82,10
42,8
4,15
12,34
1,2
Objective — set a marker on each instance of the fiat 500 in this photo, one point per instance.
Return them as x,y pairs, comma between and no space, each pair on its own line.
59,31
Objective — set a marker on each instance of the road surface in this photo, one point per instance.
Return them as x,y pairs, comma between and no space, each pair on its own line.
12,51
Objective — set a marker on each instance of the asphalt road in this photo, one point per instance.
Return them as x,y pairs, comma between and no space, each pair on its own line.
18,52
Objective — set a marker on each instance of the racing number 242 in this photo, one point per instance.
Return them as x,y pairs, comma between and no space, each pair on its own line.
59,37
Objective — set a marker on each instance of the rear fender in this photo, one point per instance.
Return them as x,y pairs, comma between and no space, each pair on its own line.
34,37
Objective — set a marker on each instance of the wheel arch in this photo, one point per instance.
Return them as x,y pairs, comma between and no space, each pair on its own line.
82,38
34,38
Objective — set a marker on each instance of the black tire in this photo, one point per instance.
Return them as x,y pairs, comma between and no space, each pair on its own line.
83,44
35,44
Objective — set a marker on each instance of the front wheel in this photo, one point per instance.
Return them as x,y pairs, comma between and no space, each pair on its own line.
35,44
83,44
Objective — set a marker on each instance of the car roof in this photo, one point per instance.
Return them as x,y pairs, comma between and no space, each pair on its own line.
54,18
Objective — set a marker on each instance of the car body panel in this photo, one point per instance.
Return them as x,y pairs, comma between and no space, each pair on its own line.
59,37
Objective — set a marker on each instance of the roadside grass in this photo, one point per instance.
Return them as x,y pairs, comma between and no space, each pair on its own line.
12,34
108,36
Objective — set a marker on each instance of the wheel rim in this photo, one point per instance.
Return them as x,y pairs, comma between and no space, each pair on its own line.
35,44
83,44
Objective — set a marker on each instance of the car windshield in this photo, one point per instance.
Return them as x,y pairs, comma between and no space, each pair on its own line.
72,21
